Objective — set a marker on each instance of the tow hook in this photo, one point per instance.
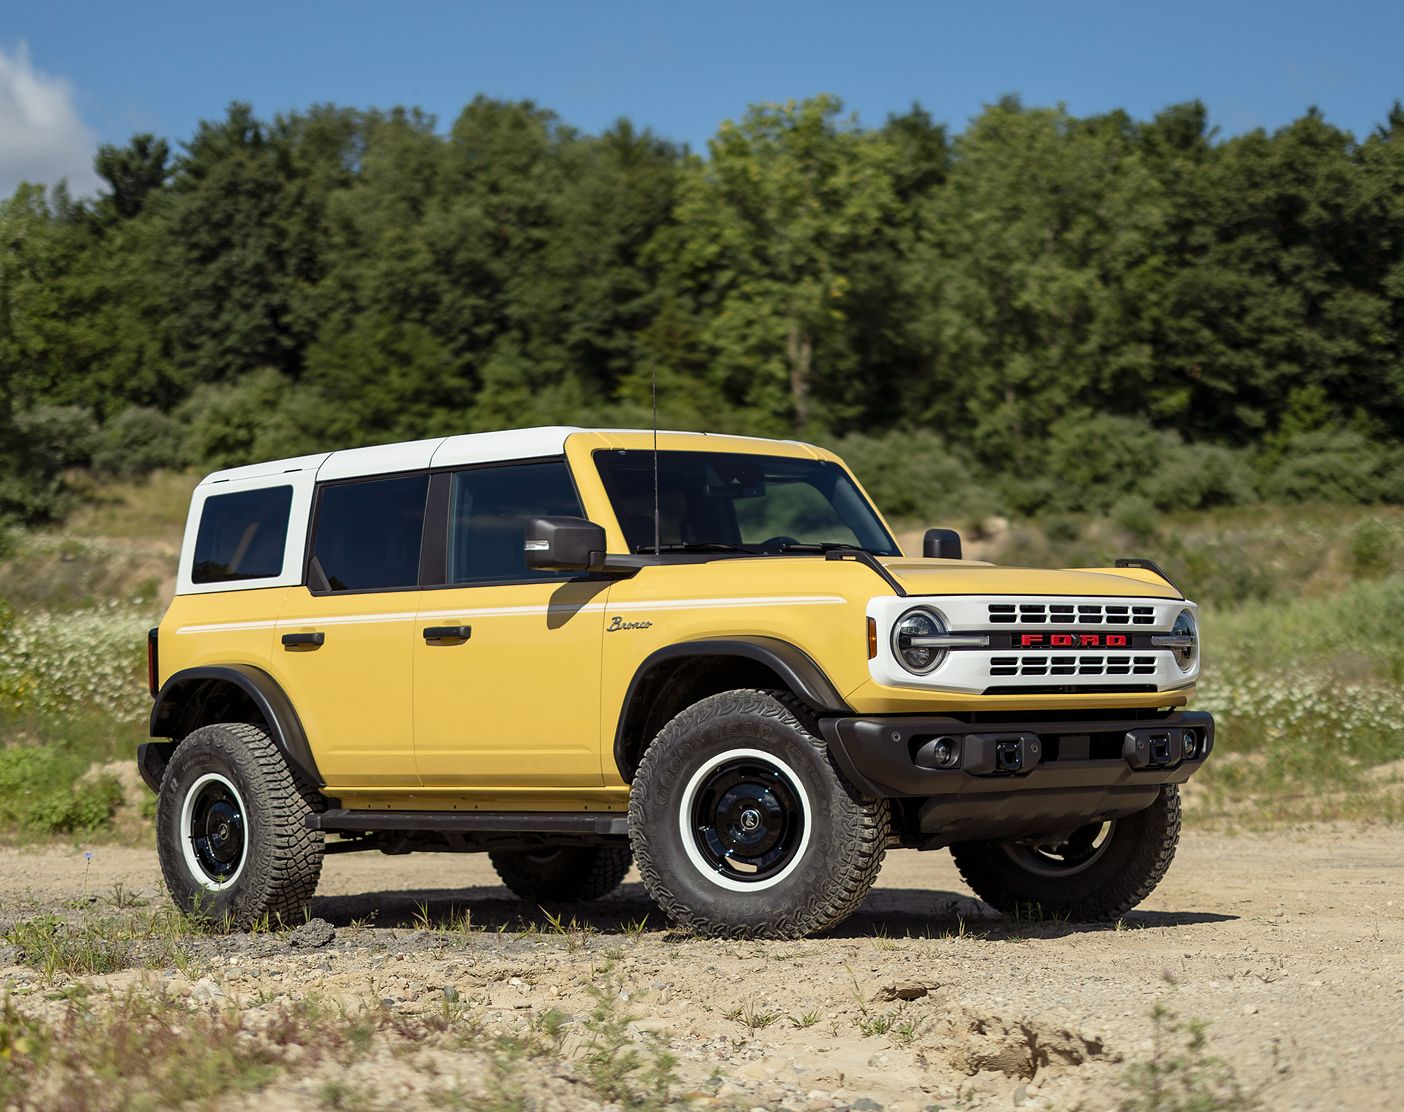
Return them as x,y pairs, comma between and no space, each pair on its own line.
1161,748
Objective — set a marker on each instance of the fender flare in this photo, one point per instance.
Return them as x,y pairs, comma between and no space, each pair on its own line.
795,667
267,696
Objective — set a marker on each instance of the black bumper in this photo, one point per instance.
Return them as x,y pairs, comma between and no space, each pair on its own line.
985,780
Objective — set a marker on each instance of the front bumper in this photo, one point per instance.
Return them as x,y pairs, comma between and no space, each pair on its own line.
1018,777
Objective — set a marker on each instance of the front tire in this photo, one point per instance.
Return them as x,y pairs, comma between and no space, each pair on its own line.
742,827
231,829
1101,872
565,874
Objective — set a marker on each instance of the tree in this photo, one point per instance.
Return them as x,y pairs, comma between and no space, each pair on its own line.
767,228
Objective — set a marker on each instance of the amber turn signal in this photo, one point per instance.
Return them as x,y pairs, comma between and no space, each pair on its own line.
872,638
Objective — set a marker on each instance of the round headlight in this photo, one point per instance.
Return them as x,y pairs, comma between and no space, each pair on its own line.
1185,653
907,635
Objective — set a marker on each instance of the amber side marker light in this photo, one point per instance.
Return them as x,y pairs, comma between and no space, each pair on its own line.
872,638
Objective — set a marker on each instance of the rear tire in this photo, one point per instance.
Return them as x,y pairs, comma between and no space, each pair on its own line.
1091,880
742,826
566,874
231,829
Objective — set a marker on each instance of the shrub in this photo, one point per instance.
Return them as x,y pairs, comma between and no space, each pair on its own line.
1136,514
1330,465
222,423
1093,461
915,475
63,435
1373,546
138,441
1200,476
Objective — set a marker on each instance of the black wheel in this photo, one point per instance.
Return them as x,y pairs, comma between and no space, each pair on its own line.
231,829
562,874
1099,872
743,828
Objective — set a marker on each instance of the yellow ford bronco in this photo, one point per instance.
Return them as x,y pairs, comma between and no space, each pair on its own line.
573,649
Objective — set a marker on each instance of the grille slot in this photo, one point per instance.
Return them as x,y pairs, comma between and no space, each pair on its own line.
1072,664
1068,613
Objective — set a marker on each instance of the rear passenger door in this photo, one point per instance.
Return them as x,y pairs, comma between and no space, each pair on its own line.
341,648
506,659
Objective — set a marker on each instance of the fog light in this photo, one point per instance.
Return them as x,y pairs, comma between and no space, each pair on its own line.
941,752
1191,744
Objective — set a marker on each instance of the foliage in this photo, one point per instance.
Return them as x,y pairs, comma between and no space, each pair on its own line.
1181,1075
1081,309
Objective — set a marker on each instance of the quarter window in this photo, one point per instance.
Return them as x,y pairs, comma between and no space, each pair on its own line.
368,534
488,511
242,536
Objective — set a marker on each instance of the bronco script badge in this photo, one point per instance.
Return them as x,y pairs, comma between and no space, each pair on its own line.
617,623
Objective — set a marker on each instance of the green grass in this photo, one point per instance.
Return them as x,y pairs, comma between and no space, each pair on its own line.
51,781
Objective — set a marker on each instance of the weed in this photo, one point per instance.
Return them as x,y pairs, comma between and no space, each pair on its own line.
808,1019
751,1017
617,1069
1180,1075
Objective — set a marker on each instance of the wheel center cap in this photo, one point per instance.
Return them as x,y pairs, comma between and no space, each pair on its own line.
750,819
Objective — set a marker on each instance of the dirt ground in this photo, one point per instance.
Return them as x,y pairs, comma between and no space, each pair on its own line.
1290,946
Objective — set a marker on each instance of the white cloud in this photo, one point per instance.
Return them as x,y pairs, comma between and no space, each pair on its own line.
42,137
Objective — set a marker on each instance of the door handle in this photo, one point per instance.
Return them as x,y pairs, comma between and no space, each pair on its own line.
303,640
447,633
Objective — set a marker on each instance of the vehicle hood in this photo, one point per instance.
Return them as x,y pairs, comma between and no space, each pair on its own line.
968,577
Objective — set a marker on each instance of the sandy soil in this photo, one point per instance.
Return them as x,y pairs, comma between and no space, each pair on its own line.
1290,946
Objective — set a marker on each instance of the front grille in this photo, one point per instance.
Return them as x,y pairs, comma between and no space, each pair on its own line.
1069,613
1081,664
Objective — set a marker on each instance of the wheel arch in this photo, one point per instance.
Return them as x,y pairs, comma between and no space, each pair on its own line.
676,676
198,697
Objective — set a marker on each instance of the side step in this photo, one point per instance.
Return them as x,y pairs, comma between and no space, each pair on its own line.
504,822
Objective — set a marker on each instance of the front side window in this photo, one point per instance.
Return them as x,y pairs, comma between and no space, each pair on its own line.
750,503
368,534
488,511
242,536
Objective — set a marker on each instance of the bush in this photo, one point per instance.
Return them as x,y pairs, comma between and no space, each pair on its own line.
1199,477
915,475
222,423
138,441
1136,514
1331,465
35,447
1373,546
63,435
1091,462
43,791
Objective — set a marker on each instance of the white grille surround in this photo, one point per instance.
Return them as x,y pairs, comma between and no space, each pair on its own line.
1009,667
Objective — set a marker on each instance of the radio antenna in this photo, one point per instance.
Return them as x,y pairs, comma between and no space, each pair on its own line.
657,511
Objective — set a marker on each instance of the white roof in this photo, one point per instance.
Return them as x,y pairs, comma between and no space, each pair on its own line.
414,455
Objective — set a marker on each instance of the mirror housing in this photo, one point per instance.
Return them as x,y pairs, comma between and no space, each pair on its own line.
563,544
941,544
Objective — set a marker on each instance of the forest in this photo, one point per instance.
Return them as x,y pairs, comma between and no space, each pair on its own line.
1039,313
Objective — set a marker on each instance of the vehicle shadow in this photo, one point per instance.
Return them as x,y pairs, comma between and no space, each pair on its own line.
887,913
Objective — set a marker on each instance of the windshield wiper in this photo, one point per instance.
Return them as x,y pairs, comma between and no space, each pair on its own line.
822,546
694,546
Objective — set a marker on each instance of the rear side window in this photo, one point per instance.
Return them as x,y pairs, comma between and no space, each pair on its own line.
242,536
489,509
368,534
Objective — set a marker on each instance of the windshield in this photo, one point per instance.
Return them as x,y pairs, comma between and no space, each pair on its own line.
721,501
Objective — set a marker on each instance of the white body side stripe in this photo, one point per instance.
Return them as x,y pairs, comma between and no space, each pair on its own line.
520,611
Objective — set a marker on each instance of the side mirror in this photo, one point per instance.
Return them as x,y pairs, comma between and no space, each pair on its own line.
941,544
563,544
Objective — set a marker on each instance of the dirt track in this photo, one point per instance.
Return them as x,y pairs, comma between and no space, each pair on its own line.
1290,946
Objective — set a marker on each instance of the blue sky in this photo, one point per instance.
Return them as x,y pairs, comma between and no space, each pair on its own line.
76,74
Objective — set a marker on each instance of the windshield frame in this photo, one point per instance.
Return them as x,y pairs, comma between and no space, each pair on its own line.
733,547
